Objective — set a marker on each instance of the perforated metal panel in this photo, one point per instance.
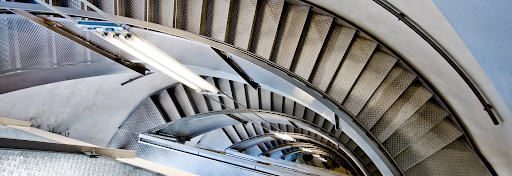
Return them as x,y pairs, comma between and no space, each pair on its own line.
242,19
288,106
135,9
417,125
336,47
390,89
289,36
315,38
412,99
439,136
265,99
39,163
106,5
277,102
359,53
266,25
217,14
213,103
145,117
189,15
163,13
27,46
455,159
371,77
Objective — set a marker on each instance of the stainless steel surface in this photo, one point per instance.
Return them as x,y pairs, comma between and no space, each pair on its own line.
436,138
37,163
277,102
168,106
265,30
145,117
266,100
336,47
188,15
395,83
247,143
215,140
135,9
354,62
195,125
378,67
404,108
198,99
182,100
218,19
289,36
6,132
64,148
213,103
241,23
10,82
456,159
206,158
288,106
414,127
315,38
163,12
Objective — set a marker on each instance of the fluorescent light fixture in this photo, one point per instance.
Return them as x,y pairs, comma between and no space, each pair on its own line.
306,150
161,61
284,136
320,157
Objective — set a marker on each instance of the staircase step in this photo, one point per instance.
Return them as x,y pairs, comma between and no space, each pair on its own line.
181,99
355,60
224,85
197,100
378,67
253,98
163,13
388,92
318,120
455,159
409,102
188,15
337,46
436,138
135,9
289,35
217,19
418,124
277,102
232,134
265,100
266,25
168,107
241,22
288,106
214,105
314,40
239,92
299,110
309,115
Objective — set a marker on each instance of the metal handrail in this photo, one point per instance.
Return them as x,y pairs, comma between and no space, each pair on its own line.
443,52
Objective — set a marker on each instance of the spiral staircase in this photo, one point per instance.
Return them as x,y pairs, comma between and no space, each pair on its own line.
388,98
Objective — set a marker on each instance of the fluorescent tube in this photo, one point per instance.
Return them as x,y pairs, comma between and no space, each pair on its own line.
161,61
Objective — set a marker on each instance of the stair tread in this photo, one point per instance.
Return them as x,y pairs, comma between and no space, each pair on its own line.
189,14
357,56
163,13
456,159
414,127
395,83
277,102
218,19
199,101
316,34
378,67
168,106
266,27
439,136
288,106
337,45
289,36
242,21
214,103
404,107
182,100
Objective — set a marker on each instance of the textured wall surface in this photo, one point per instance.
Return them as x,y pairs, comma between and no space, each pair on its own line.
37,163
485,27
